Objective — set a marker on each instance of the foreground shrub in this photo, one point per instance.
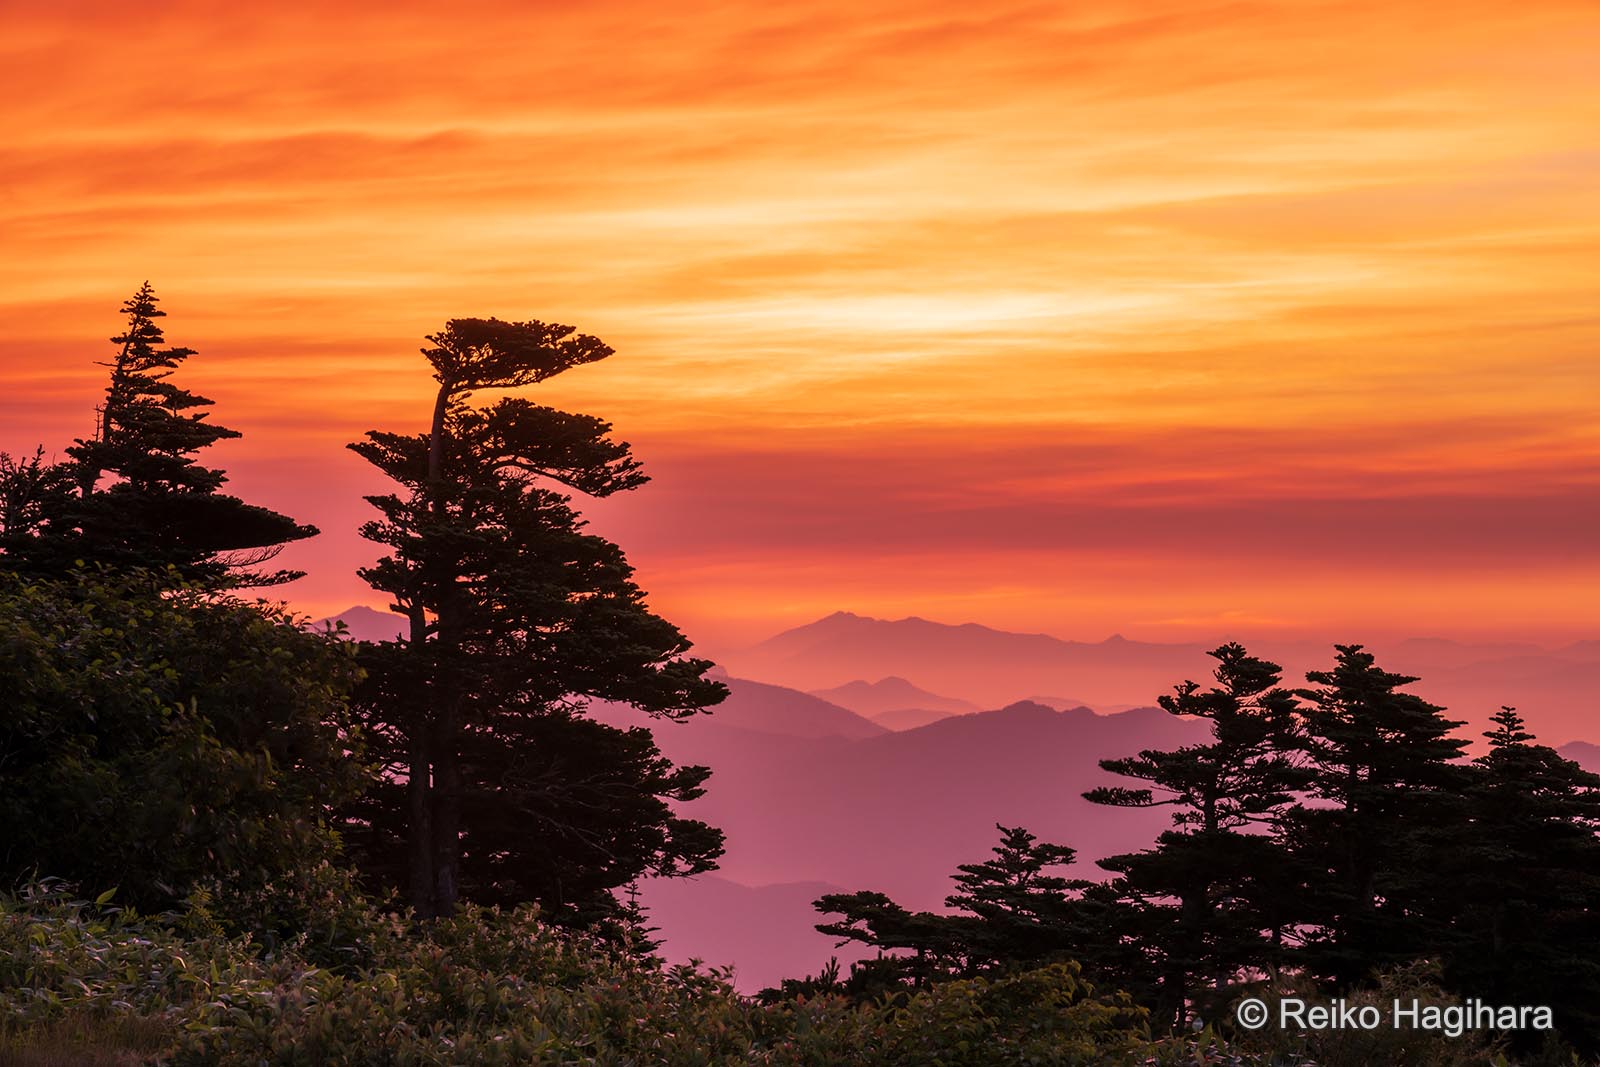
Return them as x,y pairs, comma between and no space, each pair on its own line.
62,957
1046,1016
155,740
492,988
92,983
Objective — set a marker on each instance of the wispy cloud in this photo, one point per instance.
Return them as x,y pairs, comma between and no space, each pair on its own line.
1122,296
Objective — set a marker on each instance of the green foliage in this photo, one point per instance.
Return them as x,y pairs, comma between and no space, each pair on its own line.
69,960
319,909
489,987
156,741
1048,1016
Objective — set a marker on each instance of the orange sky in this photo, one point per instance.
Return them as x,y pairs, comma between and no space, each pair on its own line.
1168,318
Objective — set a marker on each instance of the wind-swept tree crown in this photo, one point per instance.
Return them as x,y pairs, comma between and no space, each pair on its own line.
489,353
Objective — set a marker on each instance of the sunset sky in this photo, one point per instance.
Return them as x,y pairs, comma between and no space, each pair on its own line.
1173,319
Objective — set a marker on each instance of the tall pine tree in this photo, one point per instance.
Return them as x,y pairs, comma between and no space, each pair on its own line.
1384,771
133,495
1517,877
517,618
1201,903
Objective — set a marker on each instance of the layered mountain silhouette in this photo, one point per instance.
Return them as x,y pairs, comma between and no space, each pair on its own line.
1553,688
895,811
786,712
892,694
890,784
929,669
972,663
898,811
909,718
895,703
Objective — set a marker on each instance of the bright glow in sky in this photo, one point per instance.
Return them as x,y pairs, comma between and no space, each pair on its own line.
1167,318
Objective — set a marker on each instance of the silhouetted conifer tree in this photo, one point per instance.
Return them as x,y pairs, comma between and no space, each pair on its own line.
1011,911
36,511
1202,904
517,618
1385,770
1517,875
133,495
916,947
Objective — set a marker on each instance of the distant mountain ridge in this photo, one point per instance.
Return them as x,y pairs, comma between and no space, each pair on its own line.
366,624
895,812
1554,688
973,663
910,718
891,694
775,709
978,666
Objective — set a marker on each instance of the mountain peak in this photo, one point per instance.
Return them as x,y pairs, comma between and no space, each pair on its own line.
969,662
1027,707
363,623
891,693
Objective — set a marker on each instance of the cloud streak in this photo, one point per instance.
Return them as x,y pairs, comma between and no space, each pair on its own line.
1026,313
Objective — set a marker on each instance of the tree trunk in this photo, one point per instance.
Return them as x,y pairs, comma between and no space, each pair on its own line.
419,801
1190,939
420,843
442,837
446,836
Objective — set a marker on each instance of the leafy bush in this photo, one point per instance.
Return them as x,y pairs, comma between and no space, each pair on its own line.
497,988
156,740
72,967
92,982
1048,1016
